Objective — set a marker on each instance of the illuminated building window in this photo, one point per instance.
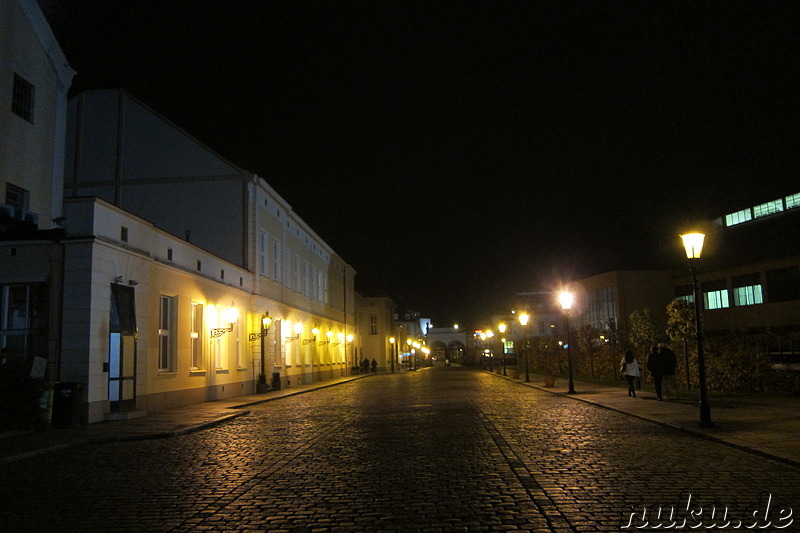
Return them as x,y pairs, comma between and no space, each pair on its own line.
508,347
768,208
747,290
715,295
22,98
197,336
738,217
793,201
166,333
750,295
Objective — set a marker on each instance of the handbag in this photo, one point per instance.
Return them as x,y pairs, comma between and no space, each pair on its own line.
623,367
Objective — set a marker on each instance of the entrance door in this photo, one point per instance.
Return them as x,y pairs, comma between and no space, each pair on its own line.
122,350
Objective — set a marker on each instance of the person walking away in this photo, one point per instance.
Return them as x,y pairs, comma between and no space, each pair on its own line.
655,364
669,388
374,365
630,369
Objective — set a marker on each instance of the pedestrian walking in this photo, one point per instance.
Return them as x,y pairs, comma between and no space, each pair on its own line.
656,366
669,387
630,369
374,365
365,365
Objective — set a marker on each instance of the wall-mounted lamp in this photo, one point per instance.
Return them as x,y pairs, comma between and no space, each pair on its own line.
133,282
231,316
329,335
340,340
266,322
350,339
298,329
314,332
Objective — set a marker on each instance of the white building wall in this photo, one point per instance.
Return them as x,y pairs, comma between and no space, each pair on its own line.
32,152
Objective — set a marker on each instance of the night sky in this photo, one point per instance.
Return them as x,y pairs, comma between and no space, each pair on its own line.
457,152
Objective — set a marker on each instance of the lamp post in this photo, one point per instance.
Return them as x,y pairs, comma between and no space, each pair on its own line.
502,329
523,321
489,335
565,299
393,346
693,244
266,322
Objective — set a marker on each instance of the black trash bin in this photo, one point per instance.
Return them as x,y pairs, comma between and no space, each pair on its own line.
67,399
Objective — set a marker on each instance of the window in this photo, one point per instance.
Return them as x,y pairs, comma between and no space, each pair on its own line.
22,98
373,324
297,278
768,208
783,284
313,282
600,307
508,346
23,320
747,290
793,201
684,292
738,217
276,260
715,294
306,283
123,234
166,333
197,336
262,253
17,197
287,261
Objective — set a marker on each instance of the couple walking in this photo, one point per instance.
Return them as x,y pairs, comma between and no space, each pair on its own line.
661,363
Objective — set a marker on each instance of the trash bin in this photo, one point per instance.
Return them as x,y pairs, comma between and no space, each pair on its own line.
67,399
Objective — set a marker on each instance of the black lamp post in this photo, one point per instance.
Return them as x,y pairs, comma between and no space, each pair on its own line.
523,321
502,329
266,322
693,244
565,299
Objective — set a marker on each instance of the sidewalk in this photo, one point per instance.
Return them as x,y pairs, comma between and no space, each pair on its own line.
763,424
766,425
161,424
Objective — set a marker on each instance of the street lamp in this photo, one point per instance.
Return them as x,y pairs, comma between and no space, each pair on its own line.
393,346
502,329
565,299
693,244
523,321
266,322
489,335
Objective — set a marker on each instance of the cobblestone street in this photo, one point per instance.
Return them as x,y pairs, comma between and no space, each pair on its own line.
435,450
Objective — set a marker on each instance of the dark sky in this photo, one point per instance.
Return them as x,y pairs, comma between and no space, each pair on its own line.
457,152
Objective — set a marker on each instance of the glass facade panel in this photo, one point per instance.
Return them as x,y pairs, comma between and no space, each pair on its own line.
768,208
738,217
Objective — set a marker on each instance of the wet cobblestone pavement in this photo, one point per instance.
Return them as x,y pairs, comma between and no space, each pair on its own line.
440,450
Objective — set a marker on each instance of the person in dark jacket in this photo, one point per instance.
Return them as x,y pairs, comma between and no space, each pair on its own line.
656,366
669,387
